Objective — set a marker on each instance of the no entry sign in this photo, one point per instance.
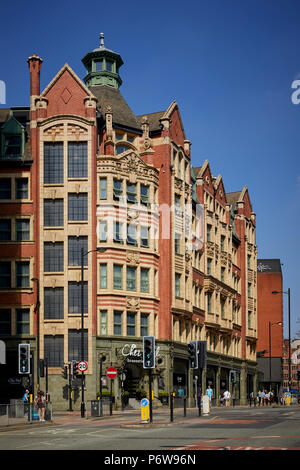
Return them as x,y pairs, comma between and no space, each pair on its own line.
111,373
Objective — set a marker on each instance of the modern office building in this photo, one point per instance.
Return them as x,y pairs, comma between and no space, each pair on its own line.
130,240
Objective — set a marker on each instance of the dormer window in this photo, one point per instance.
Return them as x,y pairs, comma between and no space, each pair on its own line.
12,145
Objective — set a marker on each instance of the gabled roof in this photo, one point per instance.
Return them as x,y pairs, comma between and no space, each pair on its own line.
59,74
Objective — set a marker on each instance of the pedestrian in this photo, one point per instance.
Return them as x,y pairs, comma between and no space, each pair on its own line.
267,397
227,397
26,402
209,392
259,397
251,398
262,398
41,405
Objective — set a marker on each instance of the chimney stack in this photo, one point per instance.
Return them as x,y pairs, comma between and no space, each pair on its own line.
35,64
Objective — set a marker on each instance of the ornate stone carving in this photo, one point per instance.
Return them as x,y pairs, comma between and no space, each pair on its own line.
132,257
133,303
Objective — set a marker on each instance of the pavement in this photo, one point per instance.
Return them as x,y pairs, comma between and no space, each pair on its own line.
124,419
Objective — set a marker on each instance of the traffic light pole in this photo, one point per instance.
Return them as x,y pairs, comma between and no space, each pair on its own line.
70,387
150,393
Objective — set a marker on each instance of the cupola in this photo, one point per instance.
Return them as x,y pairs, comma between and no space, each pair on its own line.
102,67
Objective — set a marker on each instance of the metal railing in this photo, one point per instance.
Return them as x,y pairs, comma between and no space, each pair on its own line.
18,412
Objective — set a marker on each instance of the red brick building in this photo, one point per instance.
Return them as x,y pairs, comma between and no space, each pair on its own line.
178,253
270,323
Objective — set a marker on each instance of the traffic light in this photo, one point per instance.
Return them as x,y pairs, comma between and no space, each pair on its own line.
64,372
24,358
148,352
74,369
193,354
202,355
232,376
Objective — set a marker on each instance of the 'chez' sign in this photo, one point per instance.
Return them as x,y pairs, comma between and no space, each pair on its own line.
133,354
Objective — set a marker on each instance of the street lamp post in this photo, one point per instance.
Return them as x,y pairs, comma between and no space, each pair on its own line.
83,254
37,310
289,327
270,354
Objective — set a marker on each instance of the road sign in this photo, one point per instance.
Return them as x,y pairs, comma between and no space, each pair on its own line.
144,402
111,373
145,410
82,366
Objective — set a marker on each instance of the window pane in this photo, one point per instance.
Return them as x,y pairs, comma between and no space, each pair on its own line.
21,188
98,65
117,322
5,321
53,163
131,324
5,188
53,212
5,274
75,345
54,350
5,229
22,229
118,191
144,324
23,321
53,257
118,270
103,322
144,237
77,160
53,303
131,234
103,276
131,278
109,65
118,232
74,297
103,231
177,285
103,188
22,273
144,280
144,194
78,206
75,245
131,192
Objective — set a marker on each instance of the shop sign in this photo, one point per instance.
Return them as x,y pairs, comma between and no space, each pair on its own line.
133,354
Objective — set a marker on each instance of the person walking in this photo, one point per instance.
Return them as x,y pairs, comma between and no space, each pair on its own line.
41,405
227,397
26,402
209,392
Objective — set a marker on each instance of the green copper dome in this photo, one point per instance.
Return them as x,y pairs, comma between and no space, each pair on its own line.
102,66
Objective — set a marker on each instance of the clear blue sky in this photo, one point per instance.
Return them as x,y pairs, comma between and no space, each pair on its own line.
228,64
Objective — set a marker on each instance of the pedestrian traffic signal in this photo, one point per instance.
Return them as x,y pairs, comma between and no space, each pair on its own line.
64,372
24,358
193,354
148,352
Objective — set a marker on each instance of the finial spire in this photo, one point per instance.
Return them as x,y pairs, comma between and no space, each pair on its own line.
102,40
